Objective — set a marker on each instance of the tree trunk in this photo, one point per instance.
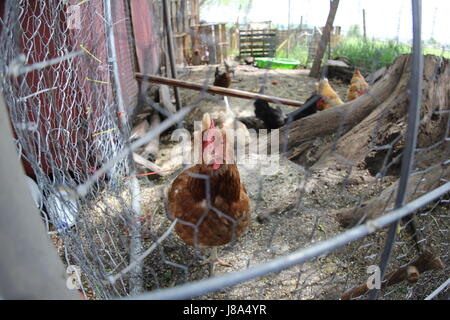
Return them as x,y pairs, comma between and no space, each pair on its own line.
325,39
418,185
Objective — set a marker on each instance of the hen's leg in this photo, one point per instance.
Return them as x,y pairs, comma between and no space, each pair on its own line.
213,260
227,106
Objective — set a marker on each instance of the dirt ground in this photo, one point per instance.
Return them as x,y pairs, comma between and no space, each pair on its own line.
296,219
285,218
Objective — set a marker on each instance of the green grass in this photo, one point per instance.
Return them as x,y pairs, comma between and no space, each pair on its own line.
370,55
366,55
437,52
374,54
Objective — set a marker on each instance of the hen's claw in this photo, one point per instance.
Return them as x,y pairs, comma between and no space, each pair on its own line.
213,260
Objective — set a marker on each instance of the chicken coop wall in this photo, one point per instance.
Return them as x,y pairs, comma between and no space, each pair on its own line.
66,121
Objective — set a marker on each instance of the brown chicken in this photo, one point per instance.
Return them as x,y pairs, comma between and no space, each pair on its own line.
223,79
215,217
329,97
358,86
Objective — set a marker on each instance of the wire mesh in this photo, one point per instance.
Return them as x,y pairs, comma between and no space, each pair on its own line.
62,95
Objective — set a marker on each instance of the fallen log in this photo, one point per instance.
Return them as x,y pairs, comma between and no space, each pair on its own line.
365,125
346,116
418,185
378,139
427,261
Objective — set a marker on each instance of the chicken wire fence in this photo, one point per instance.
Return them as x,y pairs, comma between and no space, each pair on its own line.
66,108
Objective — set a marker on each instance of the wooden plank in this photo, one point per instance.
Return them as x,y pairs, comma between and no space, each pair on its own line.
258,40
194,13
263,45
250,36
217,90
255,32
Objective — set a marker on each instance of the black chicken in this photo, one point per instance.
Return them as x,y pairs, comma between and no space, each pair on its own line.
307,109
276,118
273,118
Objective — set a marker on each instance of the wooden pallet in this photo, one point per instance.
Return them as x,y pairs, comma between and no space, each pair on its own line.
257,43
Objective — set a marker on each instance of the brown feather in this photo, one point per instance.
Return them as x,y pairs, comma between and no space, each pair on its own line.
199,224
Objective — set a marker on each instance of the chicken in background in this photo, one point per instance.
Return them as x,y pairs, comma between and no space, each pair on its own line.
214,219
329,97
307,109
227,122
276,118
273,118
205,56
358,86
223,79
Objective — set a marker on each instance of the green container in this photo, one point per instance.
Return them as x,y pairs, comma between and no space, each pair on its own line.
276,63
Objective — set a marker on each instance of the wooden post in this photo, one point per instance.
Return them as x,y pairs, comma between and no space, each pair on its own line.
184,18
195,19
324,40
288,30
217,43
210,44
364,24
170,50
300,27
223,40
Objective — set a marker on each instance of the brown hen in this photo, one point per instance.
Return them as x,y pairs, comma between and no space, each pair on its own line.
223,79
358,86
209,198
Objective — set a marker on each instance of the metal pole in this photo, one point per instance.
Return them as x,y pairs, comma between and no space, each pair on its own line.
415,88
364,25
169,35
29,265
136,282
